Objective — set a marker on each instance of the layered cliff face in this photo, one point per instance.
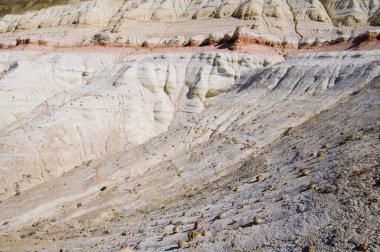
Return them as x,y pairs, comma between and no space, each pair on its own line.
354,12
19,6
73,23
123,123
85,106
311,119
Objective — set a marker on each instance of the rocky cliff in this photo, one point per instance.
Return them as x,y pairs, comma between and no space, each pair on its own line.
189,125
131,23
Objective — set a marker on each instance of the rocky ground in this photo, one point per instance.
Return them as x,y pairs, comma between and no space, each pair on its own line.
184,125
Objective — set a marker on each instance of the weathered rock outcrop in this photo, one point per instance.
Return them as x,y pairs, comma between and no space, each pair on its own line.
312,114
253,124
71,108
74,23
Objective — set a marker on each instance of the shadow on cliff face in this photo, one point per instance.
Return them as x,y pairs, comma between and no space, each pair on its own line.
20,6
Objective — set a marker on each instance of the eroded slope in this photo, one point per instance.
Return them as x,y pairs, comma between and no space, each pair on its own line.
174,23
73,107
312,118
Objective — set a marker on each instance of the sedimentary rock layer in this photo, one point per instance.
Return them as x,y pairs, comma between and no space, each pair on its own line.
154,22
298,123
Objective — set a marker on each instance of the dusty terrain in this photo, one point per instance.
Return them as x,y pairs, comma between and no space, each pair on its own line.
189,125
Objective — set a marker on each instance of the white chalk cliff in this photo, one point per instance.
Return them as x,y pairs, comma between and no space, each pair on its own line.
123,123
174,22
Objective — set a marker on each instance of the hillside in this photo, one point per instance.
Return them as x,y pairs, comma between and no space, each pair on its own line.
126,122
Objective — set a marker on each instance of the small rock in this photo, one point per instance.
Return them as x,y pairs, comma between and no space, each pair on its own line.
220,216
205,233
321,154
308,248
198,224
124,246
304,172
362,247
192,234
256,221
311,186
181,243
175,230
